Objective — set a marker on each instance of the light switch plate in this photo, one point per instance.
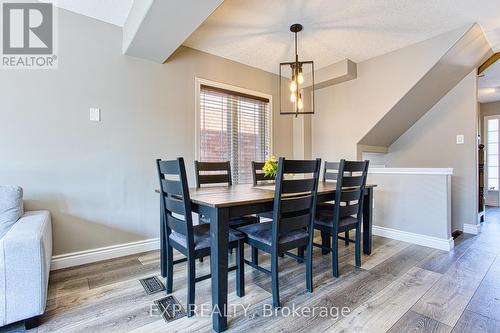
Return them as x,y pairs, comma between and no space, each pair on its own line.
460,139
95,114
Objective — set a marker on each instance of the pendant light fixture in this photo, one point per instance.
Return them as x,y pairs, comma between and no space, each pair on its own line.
296,83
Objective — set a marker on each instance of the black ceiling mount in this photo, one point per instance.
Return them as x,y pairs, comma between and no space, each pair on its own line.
296,27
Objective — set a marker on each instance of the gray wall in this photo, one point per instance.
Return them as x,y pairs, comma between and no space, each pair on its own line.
98,179
424,210
431,142
347,111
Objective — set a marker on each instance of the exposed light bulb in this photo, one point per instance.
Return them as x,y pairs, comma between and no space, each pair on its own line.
300,78
300,105
293,98
293,86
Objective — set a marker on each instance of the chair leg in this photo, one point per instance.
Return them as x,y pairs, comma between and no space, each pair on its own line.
335,256
255,255
300,254
170,268
309,278
240,272
358,246
346,236
191,287
325,241
275,282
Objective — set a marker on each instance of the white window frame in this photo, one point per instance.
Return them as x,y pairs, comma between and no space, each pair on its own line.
200,81
486,134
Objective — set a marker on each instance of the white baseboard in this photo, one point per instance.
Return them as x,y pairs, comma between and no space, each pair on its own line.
103,253
429,241
472,228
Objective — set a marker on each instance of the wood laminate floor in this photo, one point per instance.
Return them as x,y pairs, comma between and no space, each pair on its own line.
399,288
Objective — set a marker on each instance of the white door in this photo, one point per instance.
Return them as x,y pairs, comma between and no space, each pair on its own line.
491,126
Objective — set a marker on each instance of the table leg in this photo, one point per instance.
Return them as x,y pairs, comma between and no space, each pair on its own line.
325,241
219,234
367,221
163,242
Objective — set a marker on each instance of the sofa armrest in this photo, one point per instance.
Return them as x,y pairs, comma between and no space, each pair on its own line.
25,254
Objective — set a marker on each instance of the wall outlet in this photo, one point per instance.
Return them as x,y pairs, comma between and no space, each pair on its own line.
460,139
95,114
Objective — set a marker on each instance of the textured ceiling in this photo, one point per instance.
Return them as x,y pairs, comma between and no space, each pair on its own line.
489,84
110,11
256,32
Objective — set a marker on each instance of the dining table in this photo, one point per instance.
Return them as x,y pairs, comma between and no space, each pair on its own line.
221,203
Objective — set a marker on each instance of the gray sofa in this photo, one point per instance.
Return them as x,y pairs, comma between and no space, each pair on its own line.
25,253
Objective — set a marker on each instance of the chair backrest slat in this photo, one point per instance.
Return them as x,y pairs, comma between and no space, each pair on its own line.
172,186
295,197
349,195
259,176
330,171
349,210
298,185
175,206
296,204
176,202
176,224
294,222
213,173
352,181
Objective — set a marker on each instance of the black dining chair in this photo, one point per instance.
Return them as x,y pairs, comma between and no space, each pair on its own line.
293,217
347,211
219,173
193,241
260,178
330,174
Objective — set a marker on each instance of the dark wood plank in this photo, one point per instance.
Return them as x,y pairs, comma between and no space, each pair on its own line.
417,323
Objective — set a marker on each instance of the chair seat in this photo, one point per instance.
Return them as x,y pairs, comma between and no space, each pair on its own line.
324,221
201,235
262,232
235,222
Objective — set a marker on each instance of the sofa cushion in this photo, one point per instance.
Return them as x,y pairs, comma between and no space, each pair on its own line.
11,207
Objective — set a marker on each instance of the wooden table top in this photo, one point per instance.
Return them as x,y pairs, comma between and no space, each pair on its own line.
236,195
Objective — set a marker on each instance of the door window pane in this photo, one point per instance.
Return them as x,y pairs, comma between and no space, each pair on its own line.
493,137
493,183
492,124
492,160
493,149
492,172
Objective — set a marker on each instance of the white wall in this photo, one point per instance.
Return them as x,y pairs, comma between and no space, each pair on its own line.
431,142
98,179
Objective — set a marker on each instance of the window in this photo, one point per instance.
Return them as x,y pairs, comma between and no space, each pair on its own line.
233,126
492,153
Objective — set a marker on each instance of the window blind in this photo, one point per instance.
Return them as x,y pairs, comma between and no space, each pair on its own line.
233,127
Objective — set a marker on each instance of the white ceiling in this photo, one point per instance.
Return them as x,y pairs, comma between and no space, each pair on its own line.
489,84
255,32
110,11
